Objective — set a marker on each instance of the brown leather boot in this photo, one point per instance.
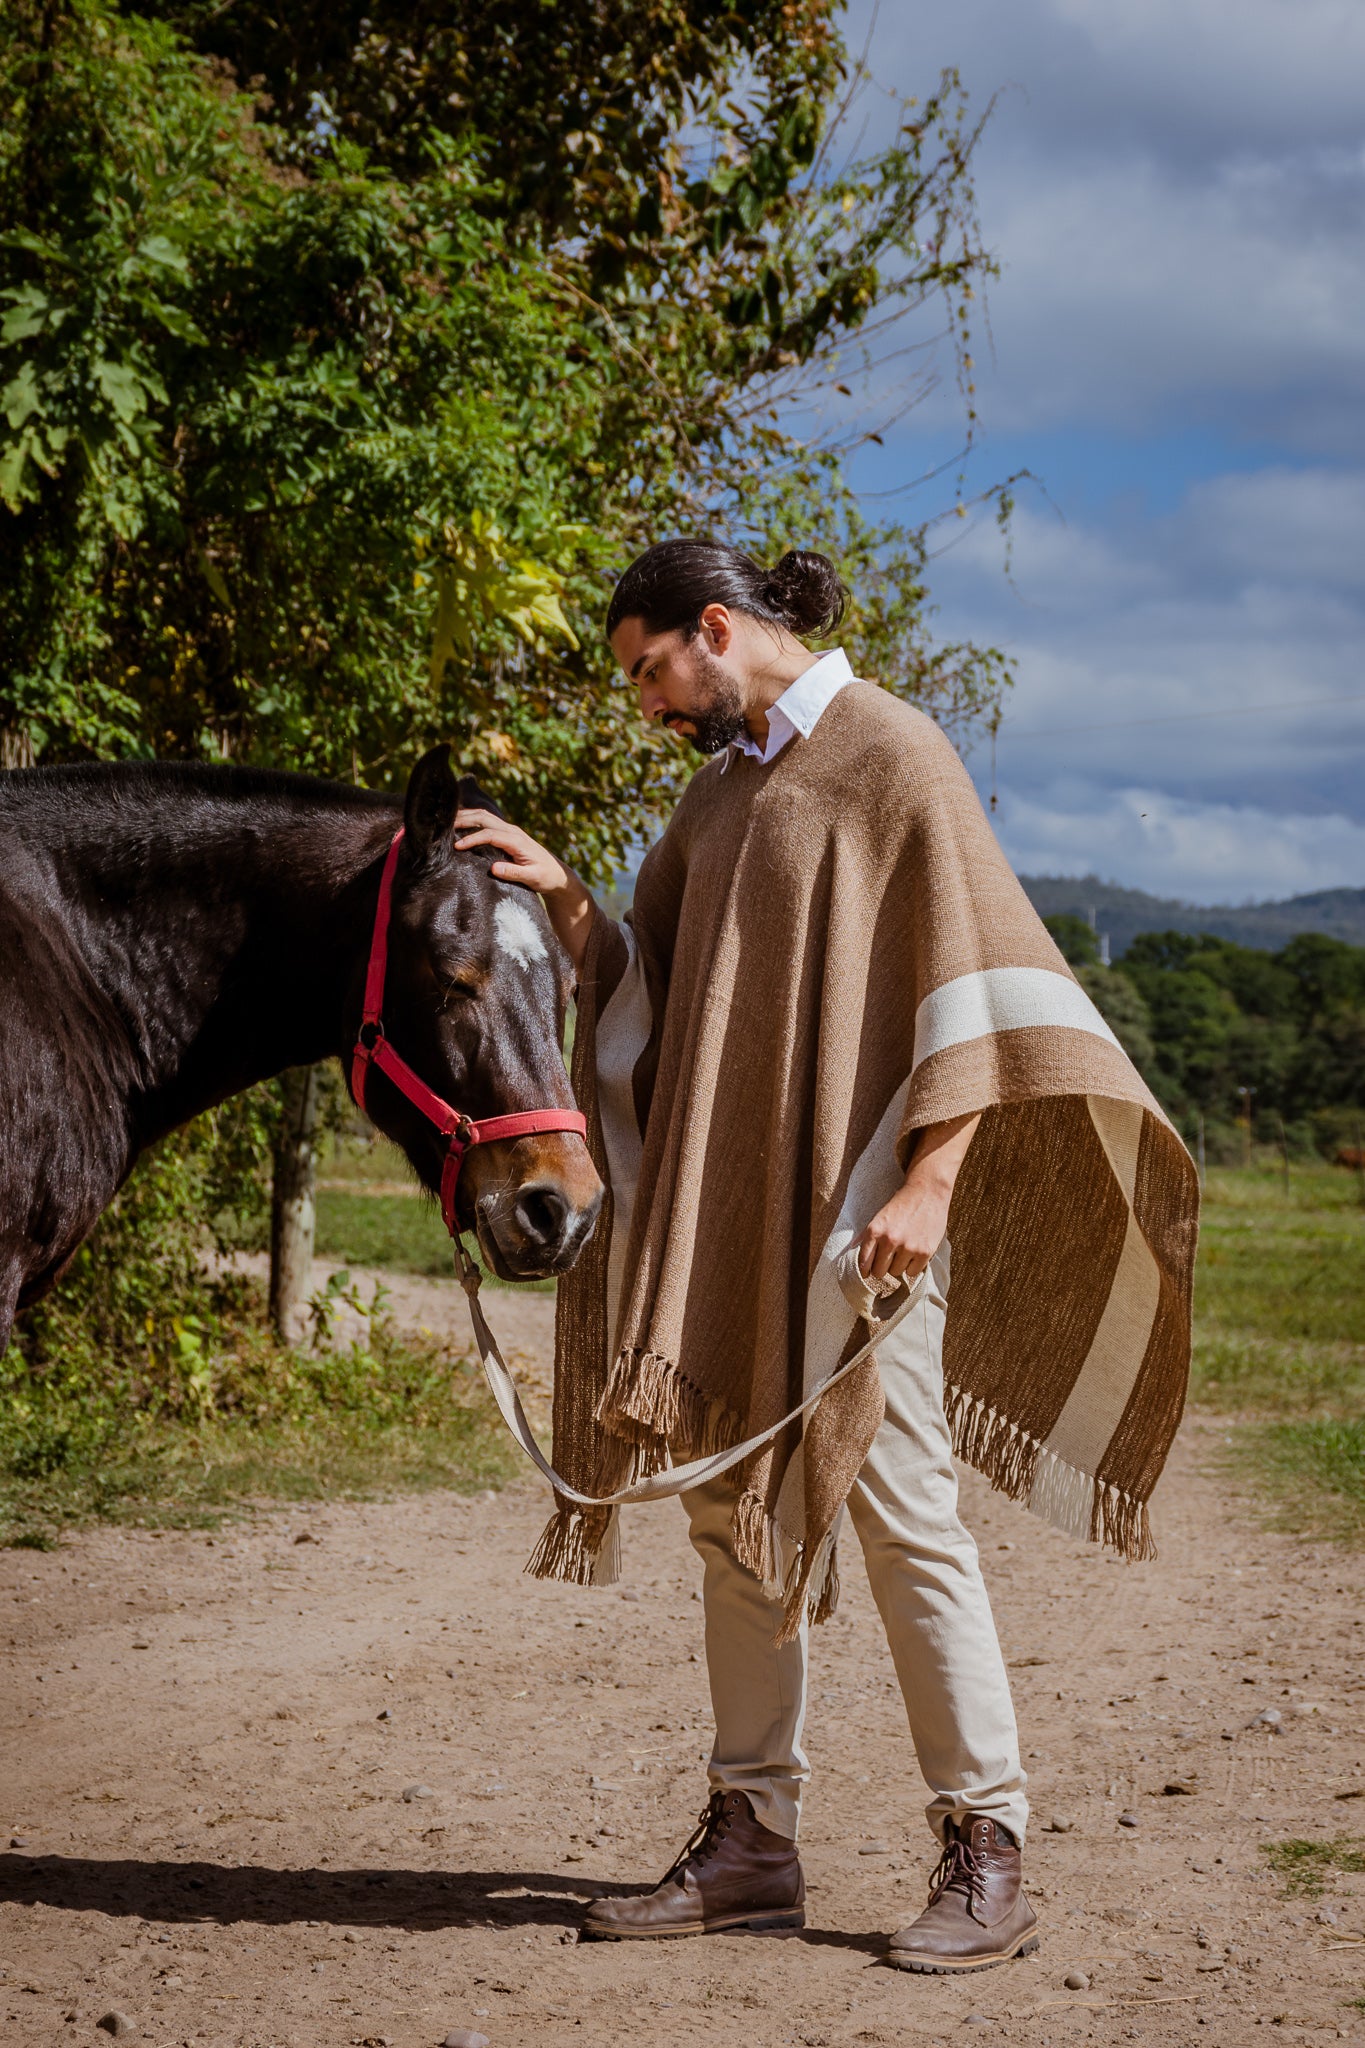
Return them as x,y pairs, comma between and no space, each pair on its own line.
977,1914
733,1872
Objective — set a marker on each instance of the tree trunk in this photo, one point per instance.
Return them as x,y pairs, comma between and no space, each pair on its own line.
293,1202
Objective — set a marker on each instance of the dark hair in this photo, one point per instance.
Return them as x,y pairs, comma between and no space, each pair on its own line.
670,586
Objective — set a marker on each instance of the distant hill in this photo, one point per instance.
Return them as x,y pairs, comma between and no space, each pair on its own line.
1123,913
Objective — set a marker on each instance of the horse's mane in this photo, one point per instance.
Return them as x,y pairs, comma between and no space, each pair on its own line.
125,789
156,782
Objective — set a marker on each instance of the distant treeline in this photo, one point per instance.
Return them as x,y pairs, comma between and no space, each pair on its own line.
1235,1034
1120,914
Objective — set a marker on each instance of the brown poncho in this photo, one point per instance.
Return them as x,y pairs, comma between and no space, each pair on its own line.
826,954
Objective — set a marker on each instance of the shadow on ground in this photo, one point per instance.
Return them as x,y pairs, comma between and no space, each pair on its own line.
185,1893
182,1892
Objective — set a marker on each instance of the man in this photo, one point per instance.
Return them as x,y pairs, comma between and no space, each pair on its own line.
832,1017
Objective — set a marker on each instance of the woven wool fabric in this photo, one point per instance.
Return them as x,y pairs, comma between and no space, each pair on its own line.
826,954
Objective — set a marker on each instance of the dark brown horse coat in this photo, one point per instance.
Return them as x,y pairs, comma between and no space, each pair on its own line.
171,934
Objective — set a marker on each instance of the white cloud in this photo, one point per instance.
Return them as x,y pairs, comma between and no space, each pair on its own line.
1287,526
1126,637
1205,78
1174,190
1133,298
1200,852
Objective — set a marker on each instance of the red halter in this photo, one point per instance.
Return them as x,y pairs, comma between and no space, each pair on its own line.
372,1047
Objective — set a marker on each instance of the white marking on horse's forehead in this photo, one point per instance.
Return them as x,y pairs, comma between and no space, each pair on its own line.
518,933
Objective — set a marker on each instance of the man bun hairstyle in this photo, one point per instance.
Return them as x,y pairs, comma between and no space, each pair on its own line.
669,586
808,591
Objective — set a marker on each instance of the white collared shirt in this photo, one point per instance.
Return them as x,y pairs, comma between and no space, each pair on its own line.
799,707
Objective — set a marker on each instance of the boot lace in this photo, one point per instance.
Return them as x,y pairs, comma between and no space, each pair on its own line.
959,1869
713,1824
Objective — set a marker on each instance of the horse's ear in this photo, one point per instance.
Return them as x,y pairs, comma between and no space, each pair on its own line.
429,808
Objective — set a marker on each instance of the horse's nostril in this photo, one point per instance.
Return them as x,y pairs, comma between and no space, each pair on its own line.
541,1211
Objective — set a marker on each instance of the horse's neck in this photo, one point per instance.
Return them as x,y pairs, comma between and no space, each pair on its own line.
225,946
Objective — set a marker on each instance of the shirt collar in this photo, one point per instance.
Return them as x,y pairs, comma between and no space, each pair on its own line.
800,706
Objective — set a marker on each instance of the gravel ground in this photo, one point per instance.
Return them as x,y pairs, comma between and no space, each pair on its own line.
346,1776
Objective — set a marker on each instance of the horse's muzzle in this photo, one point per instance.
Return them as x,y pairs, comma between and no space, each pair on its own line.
535,1216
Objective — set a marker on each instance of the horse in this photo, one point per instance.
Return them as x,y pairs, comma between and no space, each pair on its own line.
171,933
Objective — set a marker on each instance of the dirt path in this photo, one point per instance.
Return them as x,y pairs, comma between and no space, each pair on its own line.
207,1745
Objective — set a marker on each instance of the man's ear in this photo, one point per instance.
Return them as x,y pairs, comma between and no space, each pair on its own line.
429,808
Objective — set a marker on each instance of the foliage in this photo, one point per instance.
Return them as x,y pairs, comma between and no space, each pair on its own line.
1123,1009
332,401
384,1416
140,1290
1206,1020
1289,1026
1076,938
149,1376
279,391
574,110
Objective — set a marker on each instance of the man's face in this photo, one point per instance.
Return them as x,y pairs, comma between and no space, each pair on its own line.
685,684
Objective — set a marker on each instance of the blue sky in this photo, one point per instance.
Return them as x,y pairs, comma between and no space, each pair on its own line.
1175,191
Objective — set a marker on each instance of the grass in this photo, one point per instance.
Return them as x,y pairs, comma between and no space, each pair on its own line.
1280,1339
395,1416
170,1476
364,1221
1304,1867
1279,1344
247,1421
401,1232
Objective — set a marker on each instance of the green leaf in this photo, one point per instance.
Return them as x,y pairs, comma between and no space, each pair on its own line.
160,250
175,320
20,398
27,316
749,203
24,238
480,582
13,462
123,388
215,579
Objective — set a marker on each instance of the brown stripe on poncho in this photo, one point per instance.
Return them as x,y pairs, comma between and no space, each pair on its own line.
826,954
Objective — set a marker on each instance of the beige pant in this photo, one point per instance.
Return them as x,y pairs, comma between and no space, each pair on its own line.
926,1580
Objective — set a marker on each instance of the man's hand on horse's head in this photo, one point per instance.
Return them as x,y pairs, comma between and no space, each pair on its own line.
526,861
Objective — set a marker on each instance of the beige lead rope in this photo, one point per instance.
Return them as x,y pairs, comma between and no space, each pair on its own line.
678,1478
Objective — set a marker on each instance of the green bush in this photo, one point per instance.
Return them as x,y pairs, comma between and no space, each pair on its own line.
247,1420
145,1312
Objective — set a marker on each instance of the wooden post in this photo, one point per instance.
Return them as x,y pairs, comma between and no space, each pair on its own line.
293,1202
1199,1151
1284,1152
1248,1096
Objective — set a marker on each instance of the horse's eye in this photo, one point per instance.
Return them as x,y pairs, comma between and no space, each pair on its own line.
465,991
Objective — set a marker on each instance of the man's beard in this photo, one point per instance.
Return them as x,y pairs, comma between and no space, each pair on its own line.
719,719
